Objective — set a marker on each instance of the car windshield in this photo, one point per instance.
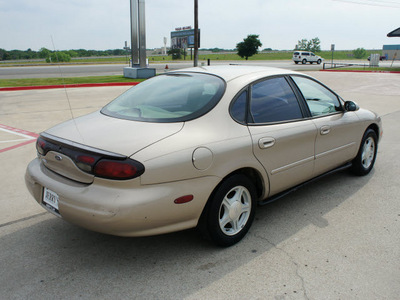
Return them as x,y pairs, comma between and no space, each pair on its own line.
174,97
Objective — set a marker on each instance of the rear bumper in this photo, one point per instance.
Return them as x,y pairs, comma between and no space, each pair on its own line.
124,208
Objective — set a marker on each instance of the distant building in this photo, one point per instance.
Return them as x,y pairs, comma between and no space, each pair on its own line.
391,51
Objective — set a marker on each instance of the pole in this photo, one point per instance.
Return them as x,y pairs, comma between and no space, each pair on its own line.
134,32
196,33
142,35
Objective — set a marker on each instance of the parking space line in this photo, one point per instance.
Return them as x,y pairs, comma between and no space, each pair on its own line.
13,141
28,137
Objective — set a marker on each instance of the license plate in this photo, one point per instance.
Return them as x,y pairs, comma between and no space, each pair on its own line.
50,200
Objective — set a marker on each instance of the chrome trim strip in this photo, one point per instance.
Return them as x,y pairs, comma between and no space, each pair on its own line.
334,150
292,165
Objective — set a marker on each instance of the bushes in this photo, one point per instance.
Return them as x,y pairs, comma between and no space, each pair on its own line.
360,53
58,57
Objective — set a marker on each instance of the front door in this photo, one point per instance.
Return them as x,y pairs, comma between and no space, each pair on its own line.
337,135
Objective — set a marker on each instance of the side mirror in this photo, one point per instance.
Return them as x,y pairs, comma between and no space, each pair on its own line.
351,106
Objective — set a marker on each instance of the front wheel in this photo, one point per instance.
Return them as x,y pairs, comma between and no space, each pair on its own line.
319,61
231,211
365,159
304,61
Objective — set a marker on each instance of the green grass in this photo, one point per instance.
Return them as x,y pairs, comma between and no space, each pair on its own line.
62,81
278,55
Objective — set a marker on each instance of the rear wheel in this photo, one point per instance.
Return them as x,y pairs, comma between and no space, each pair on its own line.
365,159
296,62
304,61
231,211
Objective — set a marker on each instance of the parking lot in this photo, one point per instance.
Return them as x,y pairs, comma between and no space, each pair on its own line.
337,238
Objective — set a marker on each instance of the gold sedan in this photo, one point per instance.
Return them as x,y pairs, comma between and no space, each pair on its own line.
199,147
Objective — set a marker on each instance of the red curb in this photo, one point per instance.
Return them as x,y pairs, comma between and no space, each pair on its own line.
360,71
42,87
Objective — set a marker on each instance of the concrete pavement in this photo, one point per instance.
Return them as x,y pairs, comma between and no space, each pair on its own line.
338,238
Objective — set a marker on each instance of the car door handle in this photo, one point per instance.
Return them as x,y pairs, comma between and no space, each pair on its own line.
325,129
266,142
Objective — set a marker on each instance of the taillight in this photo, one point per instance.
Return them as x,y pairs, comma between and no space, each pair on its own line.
118,169
102,164
85,162
40,146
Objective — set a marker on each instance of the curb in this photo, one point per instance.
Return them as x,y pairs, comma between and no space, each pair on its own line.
61,86
361,71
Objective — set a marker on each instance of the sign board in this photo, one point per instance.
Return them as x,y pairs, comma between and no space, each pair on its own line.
183,39
332,47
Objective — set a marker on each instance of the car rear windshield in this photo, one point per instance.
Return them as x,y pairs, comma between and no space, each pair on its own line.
296,53
174,97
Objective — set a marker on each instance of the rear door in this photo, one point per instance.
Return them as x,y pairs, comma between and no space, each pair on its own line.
283,141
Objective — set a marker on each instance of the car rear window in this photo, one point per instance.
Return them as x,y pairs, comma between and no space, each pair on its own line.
296,53
174,97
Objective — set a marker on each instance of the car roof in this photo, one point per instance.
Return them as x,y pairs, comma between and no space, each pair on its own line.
230,72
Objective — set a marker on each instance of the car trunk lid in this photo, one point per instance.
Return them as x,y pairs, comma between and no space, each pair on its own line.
72,148
120,136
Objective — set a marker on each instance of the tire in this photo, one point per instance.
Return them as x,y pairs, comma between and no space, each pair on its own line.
365,159
230,211
304,61
296,62
311,62
319,61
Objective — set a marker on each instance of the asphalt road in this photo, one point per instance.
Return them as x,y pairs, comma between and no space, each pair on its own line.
117,69
338,238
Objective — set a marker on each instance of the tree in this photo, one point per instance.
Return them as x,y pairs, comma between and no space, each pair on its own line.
249,46
44,53
176,53
72,53
58,57
313,45
359,53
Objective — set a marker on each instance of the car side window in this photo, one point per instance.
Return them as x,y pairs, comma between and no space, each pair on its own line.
273,100
320,100
238,108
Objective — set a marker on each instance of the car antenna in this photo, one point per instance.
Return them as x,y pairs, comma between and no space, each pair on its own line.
62,77
65,88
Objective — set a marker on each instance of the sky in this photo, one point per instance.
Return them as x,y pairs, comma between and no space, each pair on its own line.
105,24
